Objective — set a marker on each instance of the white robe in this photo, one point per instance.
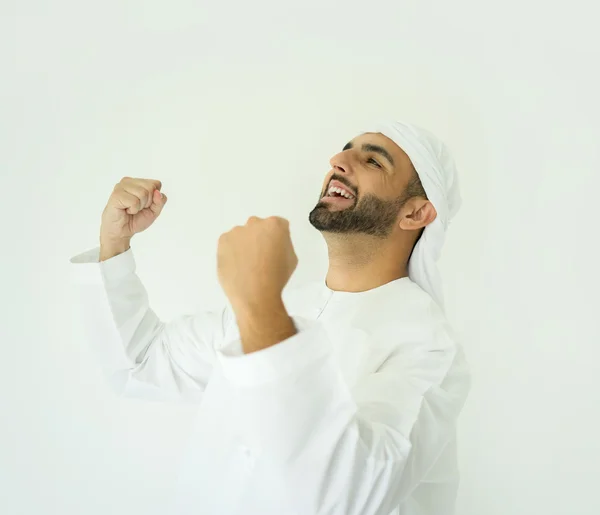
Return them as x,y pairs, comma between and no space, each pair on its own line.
355,414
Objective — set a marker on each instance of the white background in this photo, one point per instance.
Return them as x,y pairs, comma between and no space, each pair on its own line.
237,108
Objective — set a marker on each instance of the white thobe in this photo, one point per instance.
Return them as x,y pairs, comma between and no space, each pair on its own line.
353,415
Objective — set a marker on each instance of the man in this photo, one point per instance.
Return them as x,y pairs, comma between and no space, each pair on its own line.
340,397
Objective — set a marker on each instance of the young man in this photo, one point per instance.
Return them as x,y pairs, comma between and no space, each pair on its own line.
340,397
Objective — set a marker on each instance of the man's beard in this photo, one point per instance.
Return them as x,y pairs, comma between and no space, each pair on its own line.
368,215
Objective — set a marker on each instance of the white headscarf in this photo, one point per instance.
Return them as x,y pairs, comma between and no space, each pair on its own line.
437,171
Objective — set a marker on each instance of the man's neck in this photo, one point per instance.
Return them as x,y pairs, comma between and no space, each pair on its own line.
360,263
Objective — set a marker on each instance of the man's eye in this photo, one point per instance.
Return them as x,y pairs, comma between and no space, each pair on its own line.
371,160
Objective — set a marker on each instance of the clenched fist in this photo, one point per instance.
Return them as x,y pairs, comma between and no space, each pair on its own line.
133,206
255,262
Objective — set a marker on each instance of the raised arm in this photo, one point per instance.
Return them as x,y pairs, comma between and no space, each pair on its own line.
140,355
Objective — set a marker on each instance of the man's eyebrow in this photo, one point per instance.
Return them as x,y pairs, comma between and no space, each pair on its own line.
368,147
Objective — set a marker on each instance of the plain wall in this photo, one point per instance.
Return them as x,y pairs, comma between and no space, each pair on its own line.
237,109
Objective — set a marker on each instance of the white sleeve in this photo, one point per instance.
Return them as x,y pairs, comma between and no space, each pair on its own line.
340,451
140,355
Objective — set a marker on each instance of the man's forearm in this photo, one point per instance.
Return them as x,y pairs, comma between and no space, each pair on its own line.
263,326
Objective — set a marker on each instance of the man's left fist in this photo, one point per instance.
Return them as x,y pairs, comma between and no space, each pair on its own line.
255,261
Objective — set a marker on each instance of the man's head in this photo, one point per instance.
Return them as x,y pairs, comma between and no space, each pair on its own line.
387,199
388,221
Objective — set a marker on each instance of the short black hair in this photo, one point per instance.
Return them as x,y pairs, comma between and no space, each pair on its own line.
415,187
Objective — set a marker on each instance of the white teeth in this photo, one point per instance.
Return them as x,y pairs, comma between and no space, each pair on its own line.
340,191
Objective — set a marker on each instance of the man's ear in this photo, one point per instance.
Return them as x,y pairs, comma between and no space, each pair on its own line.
416,214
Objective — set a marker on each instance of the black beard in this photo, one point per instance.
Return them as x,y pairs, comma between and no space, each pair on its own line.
368,215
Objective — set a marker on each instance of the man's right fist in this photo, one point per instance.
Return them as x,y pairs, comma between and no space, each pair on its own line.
133,206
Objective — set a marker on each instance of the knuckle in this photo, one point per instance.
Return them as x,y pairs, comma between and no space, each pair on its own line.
278,221
118,195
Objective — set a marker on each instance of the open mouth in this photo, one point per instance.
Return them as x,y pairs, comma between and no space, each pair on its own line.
338,194
338,190
338,200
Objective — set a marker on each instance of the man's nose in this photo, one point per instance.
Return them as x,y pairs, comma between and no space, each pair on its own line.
342,162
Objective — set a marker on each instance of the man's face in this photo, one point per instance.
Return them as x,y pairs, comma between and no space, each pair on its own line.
374,173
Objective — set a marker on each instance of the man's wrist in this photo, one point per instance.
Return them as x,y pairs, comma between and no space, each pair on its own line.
110,249
264,324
